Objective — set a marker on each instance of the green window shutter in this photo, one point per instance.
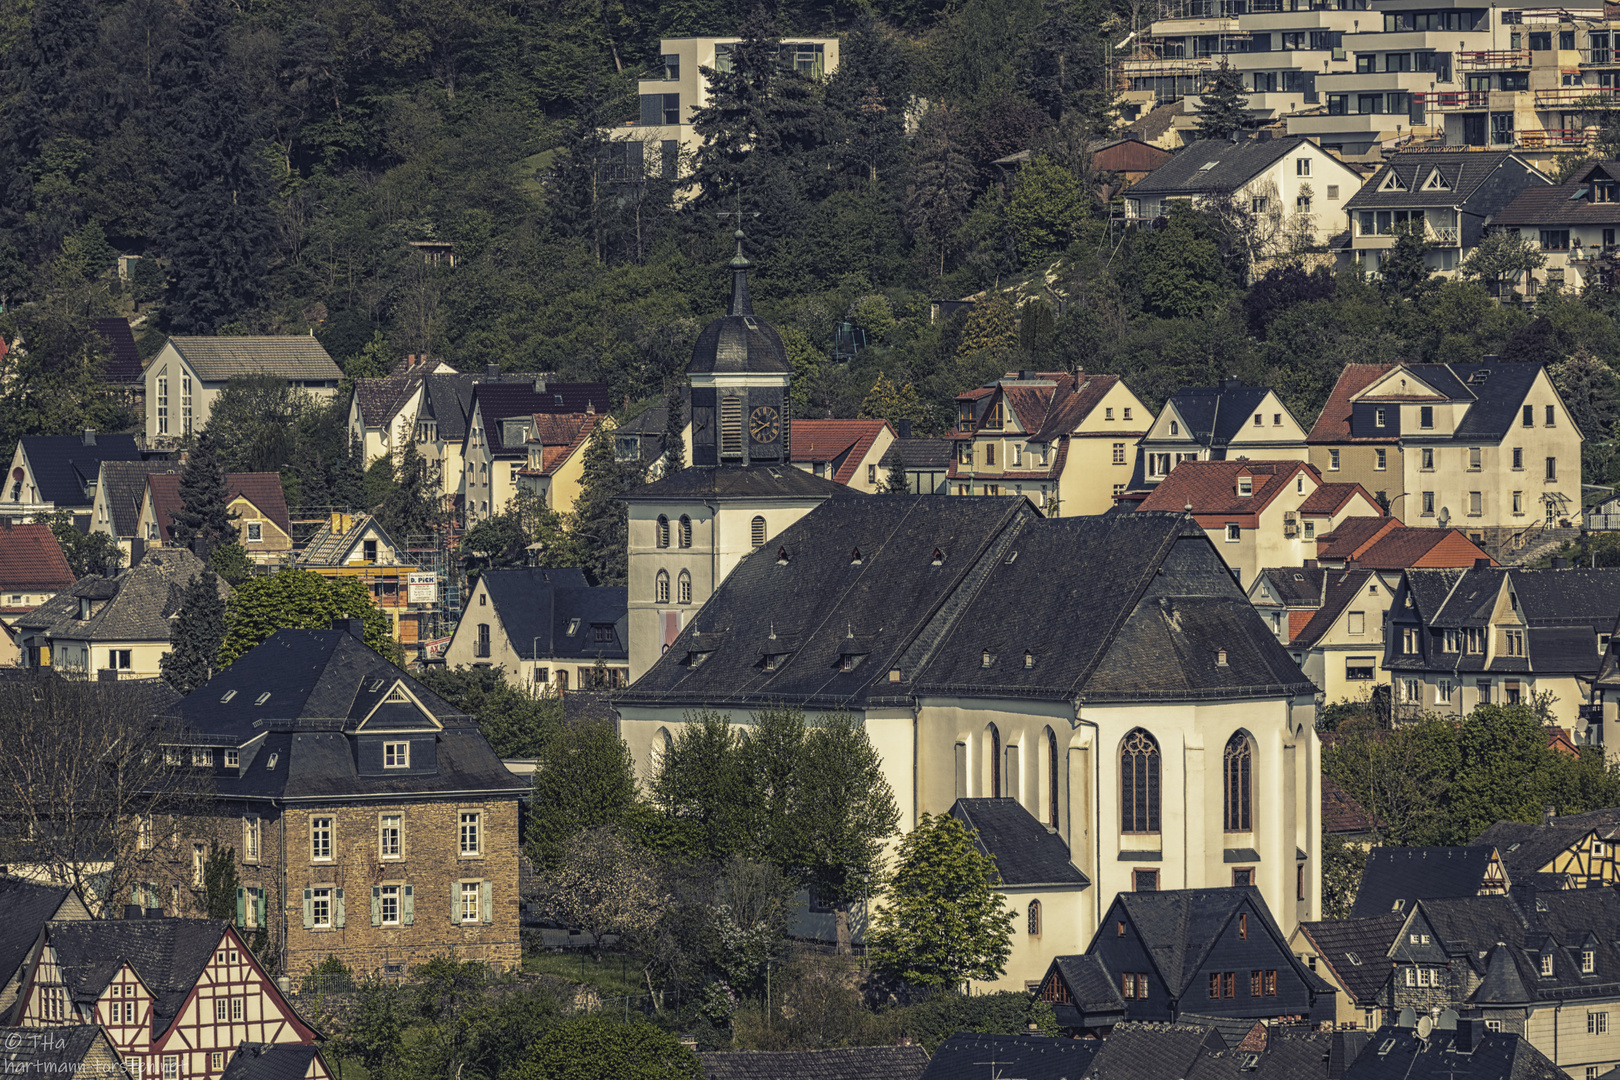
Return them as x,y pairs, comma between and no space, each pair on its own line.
309,909
487,889
338,901
455,903
376,905
258,898
407,907
241,906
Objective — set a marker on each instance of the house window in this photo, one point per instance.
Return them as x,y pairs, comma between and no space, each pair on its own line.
1518,457
368,550
663,531
1442,692
388,833
1234,532
1238,761
199,860
469,901
388,905
236,1008
171,1067
871,472
1587,958
469,833
1175,428
990,453
320,908
1552,468
1518,502
1428,504
1245,485
1380,459
1243,875
163,405
1529,419
1482,687
1427,459
661,588
1333,461
396,755
1145,881
1358,622
482,647
1302,166
255,532
1119,453
250,839
1378,418
1426,416
1259,421
1515,642
1310,530
757,531
686,531
1546,964
1139,784
1035,917
320,838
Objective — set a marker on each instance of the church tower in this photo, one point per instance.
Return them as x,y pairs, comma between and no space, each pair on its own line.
689,529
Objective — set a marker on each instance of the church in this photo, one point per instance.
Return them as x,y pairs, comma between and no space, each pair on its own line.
1101,680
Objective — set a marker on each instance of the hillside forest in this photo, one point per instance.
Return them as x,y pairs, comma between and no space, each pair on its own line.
271,162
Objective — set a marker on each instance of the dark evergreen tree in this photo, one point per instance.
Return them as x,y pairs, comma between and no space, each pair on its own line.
411,508
196,635
600,520
1405,271
1224,108
674,432
866,108
1065,69
217,221
205,514
896,482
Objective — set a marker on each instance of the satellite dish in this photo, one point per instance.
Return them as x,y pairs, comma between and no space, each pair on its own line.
1445,516
1425,1025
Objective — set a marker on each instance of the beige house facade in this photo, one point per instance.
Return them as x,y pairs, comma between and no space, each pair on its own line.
188,374
1215,423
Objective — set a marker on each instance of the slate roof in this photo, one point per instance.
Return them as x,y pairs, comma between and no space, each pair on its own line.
732,482
1497,1056
537,604
271,1061
1418,873
447,401
1525,849
1339,590
168,954
738,341
136,605
1211,165
58,1050
1298,586
1493,402
31,560
331,547
919,453
1152,1051
851,1063
65,469
1091,985
298,696
1503,939
1463,171
123,357
27,906
381,399
1356,951
1286,1055
289,356
1027,853
1213,415
1211,487
1178,927
125,484
843,442
496,402
964,1055
941,583
1561,204
263,490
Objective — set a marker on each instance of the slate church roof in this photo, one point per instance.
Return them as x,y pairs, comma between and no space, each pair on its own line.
852,1063
1027,853
872,599
538,605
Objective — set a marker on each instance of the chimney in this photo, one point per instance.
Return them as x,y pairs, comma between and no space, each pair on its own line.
1470,1033
133,911
492,371
1549,815
540,383
356,627
89,436
904,427
1560,563
137,551
1482,564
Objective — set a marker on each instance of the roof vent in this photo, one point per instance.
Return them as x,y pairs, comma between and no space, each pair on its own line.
781,556
939,557
855,557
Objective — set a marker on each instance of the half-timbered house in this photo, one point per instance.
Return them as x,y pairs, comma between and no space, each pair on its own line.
176,997
1579,848
75,1050
28,906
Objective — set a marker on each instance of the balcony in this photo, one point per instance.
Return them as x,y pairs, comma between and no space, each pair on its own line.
1568,96
1493,59
1145,65
1548,138
1453,100
1445,235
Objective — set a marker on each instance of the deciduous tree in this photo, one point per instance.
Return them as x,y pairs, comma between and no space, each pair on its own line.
294,599
583,779
602,883
596,1048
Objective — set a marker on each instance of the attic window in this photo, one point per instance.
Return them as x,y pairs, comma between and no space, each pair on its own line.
556,399
781,556
987,659
894,674
396,694
573,627
939,557
695,659
1388,1045
1398,905
1029,660
1245,486
773,661
850,661
1208,165
262,698
1220,657
855,557
1355,961
376,685
228,695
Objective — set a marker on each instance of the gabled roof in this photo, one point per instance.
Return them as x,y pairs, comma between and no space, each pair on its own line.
1564,612
850,1063
1340,589
919,453
125,484
1211,165
1351,536
1070,410
31,560
560,438
537,606
331,546
1215,414
1461,174
168,954
944,591
1298,586
1526,849
381,399
1562,204
28,906
842,441
271,1061
291,704
1283,1054
1341,812
499,401
1333,422
263,490
1404,547
1027,853
61,1050
1092,988
65,469
1409,874
1398,1054
289,356
136,605
1329,499
447,401
964,1055
1211,487
1153,1051
1357,951
123,357
1492,392
1179,927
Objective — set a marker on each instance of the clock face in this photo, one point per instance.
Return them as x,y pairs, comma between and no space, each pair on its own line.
764,424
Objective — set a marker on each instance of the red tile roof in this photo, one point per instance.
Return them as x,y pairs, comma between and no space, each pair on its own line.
1330,499
1298,620
1210,487
31,560
1402,548
561,435
1341,813
1558,741
1352,536
829,440
263,490
1333,425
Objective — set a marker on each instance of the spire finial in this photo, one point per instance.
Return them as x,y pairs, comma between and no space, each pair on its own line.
741,303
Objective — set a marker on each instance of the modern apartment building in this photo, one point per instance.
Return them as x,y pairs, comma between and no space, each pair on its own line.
654,140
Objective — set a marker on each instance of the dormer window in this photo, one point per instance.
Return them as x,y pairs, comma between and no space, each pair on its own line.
396,755
233,759
84,607
1245,486
695,659
1379,417
573,627
1588,961
1546,965
850,661
987,658
1029,660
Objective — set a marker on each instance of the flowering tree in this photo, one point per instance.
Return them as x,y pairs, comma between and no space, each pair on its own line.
602,884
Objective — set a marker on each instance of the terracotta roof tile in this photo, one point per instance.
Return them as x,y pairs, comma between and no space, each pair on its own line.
1330,498
1210,487
561,436
844,441
31,560
1334,423
1341,812
1297,622
1353,535
1399,549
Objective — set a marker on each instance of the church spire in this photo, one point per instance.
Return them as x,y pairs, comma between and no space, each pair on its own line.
740,302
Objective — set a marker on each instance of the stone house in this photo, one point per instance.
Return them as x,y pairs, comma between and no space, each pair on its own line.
371,820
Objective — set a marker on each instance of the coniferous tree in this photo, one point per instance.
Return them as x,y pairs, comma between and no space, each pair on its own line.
600,520
205,514
197,634
941,188
896,482
1224,107
675,433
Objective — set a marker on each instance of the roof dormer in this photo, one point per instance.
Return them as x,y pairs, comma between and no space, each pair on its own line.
1436,181
1392,182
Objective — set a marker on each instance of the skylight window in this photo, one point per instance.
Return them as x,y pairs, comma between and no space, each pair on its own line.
1208,165
228,695
271,763
573,627
262,698
1355,961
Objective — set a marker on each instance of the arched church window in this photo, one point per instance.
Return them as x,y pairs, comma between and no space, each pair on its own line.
992,739
1139,783
684,587
1035,917
686,531
661,590
758,528
1051,778
1238,767
663,531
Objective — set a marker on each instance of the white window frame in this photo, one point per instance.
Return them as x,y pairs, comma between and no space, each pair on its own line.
320,838
385,850
471,896
397,755
387,893
1234,532
320,908
470,840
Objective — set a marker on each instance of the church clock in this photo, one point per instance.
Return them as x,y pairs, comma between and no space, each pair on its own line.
764,424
